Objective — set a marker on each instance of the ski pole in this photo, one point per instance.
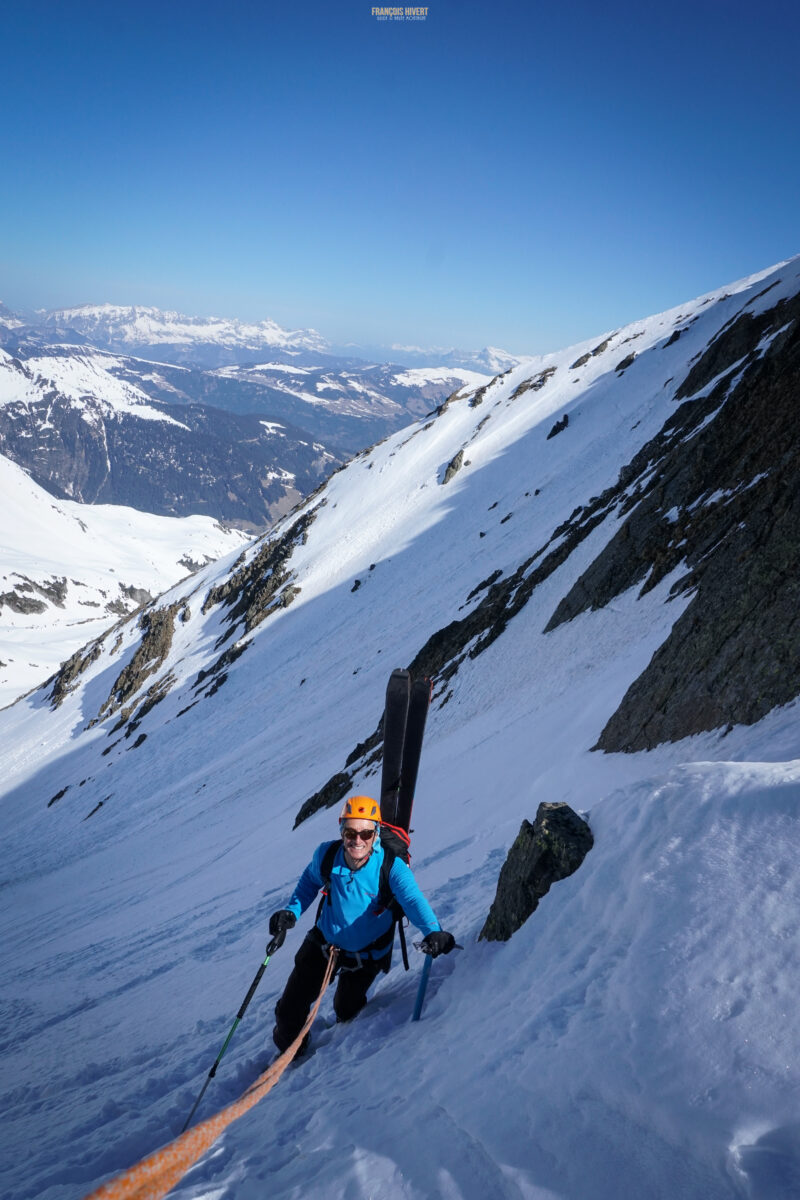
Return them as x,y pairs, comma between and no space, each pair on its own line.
423,983
274,945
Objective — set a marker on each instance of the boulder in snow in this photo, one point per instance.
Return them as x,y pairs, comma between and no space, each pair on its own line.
550,849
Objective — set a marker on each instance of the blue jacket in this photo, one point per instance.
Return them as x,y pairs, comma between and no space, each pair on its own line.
353,916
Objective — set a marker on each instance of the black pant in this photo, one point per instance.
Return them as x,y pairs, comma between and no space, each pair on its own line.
302,987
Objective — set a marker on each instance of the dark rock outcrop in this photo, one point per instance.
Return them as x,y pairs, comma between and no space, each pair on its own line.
550,849
158,627
218,671
559,427
331,793
724,503
535,383
735,341
254,588
484,584
455,465
22,600
25,605
69,673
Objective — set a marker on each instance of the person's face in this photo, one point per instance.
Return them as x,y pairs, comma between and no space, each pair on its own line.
358,848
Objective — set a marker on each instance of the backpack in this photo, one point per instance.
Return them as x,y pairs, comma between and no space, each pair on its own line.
395,844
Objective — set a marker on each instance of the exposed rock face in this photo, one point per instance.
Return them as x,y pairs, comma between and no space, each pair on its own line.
252,591
158,626
559,427
584,358
455,465
331,793
535,383
66,678
550,849
725,503
20,599
22,604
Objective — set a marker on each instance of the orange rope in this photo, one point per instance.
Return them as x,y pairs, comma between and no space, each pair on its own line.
155,1175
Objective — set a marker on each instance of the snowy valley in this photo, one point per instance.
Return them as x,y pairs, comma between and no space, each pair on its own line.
58,587
103,404
594,554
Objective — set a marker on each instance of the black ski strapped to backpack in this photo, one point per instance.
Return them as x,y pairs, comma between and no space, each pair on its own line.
404,719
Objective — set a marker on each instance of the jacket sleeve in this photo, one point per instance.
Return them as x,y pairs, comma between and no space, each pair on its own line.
405,890
309,883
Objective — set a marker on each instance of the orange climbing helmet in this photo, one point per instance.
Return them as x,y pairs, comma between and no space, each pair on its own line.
362,808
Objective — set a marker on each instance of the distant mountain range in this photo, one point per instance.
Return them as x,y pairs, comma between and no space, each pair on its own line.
488,360
177,415
222,341
175,337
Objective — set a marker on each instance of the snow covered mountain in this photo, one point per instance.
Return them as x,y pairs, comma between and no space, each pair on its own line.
344,404
595,555
489,360
353,404
213,342
9,320
99,428
68,572
175,337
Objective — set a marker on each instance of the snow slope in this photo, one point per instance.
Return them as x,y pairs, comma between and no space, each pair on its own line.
637,1037
78,568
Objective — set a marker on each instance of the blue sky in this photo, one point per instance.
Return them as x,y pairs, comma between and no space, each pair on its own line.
501,173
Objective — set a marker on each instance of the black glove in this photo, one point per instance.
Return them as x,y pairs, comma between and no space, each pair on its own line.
281,920
438,942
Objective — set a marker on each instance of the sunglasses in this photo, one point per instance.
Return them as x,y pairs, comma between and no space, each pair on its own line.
352,835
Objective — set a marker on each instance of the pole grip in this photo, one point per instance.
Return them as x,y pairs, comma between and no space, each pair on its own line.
252,990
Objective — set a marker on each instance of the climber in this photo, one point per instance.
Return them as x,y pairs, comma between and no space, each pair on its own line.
360,880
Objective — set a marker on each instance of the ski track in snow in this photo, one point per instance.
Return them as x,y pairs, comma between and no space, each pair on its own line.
638,1037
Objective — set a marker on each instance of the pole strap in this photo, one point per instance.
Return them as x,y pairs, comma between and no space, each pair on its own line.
157,1174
